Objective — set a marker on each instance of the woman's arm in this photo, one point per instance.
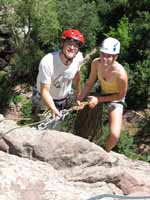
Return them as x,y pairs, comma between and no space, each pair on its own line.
76,82
90,82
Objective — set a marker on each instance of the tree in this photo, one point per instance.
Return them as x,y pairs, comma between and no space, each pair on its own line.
139,56
82,15
34,26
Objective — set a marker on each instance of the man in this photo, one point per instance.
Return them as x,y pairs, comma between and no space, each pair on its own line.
114,82
58,70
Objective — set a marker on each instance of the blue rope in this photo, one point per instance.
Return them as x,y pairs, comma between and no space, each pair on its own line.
118,196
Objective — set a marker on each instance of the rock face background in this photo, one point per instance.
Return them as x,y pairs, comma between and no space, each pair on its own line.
6,49
52,165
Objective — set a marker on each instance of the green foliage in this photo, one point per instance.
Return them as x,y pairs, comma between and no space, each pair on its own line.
6,2
135,6
26,104
138,59
27,108
2,76
122,33
31,17
80,15
16,99
143,135
85,69
102,136
140,29
109,14
34,24
138,92
68,124
127,146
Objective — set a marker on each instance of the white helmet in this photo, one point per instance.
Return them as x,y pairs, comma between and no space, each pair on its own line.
110,46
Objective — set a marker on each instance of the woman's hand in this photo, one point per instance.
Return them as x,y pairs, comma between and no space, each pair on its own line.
93,101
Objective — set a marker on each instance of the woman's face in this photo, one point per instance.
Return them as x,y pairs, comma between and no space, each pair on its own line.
107,59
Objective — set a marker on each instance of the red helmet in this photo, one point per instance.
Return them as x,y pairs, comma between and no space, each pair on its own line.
73,34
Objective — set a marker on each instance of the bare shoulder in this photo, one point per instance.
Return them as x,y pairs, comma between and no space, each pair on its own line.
96,63
121,72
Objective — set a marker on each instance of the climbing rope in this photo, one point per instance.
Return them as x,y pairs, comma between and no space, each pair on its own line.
48,119
118,197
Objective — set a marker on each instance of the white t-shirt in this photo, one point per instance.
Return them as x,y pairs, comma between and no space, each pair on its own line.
52,71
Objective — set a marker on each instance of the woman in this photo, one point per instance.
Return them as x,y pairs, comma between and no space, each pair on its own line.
114,82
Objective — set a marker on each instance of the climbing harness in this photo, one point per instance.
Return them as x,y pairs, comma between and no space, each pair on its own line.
119,197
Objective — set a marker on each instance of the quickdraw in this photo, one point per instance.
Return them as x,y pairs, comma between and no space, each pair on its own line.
49,120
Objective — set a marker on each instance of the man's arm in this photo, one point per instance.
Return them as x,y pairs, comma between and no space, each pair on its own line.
44,91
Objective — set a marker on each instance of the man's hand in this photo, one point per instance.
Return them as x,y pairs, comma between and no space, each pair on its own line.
55,113
93,101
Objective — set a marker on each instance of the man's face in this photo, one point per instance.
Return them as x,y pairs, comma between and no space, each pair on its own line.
70,48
